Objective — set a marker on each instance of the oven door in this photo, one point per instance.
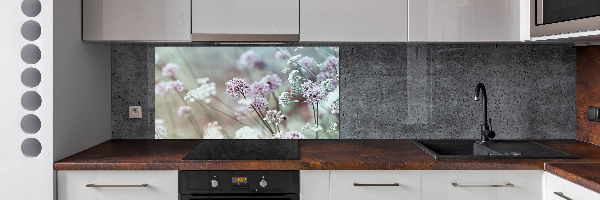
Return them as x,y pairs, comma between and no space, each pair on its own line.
236,197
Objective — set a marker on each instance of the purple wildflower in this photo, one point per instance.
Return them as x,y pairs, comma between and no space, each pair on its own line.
259,103
293,135
330,62
259,88
170,69
237,87
163,87
184,111
324,75
176,85
272,80
307,62
274,116
250,59
314,93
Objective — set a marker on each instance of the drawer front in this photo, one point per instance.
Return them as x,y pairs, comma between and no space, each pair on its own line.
482,184
161,185
566,190
377,185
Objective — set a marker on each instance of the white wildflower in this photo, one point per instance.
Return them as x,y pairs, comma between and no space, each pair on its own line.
332,127
202,80
203,92
316,128
213,131
333,101
298,48
293,76
294,59
247,133
306,126
284,99
156,58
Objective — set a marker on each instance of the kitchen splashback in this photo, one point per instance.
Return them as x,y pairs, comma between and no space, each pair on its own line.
407,90
251,92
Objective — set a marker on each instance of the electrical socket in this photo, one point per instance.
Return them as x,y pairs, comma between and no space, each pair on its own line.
135,112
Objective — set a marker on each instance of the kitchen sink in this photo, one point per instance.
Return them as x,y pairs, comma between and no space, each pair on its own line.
441,149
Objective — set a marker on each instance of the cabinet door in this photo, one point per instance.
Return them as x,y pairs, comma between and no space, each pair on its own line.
117,185
245,17
314,185
375,185
561,189
136,20
482,184
354,20
468,20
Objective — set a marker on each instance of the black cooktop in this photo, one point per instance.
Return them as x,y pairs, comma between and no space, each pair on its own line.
264,149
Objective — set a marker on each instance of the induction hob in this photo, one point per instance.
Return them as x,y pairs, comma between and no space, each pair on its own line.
243,149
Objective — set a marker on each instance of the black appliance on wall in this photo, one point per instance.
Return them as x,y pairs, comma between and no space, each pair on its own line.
553,17
234,185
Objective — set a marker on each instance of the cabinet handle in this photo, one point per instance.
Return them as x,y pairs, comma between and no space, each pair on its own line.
505,185
94,185
560,194
361,184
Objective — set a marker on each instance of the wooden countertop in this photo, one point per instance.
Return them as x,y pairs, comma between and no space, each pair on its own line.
314,155
581,173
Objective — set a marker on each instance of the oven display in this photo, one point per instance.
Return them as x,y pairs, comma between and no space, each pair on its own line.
239,180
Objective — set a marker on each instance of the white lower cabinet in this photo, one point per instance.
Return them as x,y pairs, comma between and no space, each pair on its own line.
314,185
482,184
117,185
375,185
561,189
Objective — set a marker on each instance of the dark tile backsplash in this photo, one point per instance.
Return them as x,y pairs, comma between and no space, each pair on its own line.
409,90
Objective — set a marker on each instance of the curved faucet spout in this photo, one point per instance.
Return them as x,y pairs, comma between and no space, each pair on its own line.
486,133
481,87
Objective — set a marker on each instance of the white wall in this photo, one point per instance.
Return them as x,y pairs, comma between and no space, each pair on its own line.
82,84
75,91
24,177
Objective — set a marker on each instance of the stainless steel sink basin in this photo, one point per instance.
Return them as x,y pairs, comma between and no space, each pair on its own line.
493,149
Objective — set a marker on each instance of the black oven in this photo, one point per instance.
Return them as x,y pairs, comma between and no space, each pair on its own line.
233,185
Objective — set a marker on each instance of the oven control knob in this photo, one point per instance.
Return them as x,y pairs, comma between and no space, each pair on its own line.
263,183
214,183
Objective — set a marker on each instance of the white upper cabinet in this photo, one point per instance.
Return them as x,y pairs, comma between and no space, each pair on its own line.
354,20
245,20
136,20
468,20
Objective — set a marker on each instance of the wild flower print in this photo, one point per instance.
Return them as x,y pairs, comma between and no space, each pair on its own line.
247,92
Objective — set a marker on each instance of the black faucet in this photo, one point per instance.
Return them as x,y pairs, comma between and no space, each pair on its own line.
486,129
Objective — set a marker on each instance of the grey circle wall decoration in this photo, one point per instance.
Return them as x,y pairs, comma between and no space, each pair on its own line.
31,8
30,124
31,77
31,54
31,30
31,147
31,100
